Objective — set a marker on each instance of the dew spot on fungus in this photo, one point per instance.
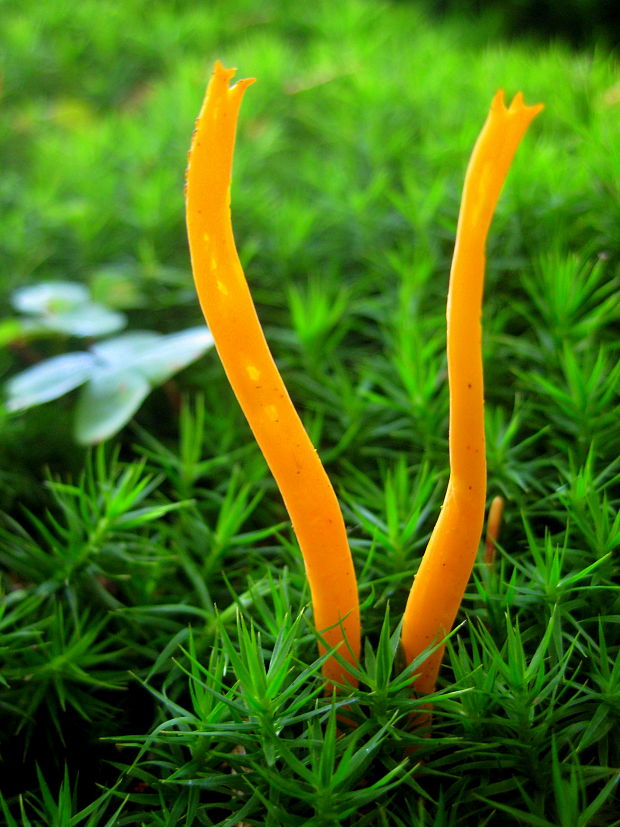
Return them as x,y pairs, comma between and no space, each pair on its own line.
213,263
222,288
272,412
253,372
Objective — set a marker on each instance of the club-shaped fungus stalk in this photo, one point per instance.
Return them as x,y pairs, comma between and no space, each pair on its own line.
494,524
230,314
440,582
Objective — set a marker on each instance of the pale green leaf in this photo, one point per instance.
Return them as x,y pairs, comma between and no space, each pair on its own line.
48,380
107,403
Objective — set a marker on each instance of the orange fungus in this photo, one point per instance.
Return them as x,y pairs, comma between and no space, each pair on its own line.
229,311
446,566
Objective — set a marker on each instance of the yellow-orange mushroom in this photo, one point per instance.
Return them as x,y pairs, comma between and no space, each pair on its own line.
440,582
229,311
494,523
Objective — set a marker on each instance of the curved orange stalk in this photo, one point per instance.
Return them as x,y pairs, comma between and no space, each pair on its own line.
228,308
441,580
494,522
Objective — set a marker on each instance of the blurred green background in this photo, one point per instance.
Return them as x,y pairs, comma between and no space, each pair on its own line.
352,147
